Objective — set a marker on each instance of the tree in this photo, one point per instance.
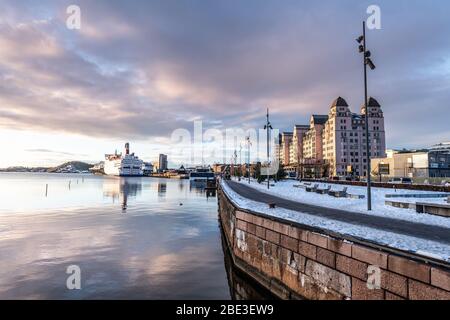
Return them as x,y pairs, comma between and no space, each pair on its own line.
281,174
326,170
260,178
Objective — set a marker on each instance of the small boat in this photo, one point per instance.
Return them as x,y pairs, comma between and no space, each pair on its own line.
201,175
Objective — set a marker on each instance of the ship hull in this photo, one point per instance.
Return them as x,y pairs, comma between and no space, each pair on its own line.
124,168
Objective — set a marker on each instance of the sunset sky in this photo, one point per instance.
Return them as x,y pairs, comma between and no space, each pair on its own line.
138,70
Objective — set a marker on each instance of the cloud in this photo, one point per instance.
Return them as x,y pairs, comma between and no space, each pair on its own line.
54,152
145,68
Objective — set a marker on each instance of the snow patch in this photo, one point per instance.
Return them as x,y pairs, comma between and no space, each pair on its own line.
402,242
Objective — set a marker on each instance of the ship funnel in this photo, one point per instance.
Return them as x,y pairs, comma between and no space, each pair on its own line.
127,148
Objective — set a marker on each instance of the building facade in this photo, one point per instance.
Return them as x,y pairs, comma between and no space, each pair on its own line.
162,162
432,163
335,144
285,148
296,153
344,138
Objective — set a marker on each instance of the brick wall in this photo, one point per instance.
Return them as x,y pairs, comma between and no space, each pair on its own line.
294,262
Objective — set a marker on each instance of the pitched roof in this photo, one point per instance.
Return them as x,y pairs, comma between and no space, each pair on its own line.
319,118
339,102
373,102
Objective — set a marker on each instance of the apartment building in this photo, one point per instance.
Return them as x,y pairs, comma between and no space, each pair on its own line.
296,152
285,147
344,138
335,144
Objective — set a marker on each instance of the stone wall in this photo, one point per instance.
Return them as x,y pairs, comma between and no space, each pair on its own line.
295,261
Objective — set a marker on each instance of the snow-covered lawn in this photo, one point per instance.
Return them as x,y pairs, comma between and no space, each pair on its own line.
285,189
420,246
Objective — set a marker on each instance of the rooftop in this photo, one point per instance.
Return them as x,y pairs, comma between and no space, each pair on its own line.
339,102
373,102
319,118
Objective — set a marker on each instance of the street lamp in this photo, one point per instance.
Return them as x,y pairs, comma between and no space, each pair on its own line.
249,143
240,161
234,162
367,62
268,127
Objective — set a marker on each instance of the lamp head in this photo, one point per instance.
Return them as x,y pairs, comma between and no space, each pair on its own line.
370,63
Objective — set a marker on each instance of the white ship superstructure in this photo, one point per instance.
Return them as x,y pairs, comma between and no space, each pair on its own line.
123,165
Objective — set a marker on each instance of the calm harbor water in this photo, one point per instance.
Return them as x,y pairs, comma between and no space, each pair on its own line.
133,238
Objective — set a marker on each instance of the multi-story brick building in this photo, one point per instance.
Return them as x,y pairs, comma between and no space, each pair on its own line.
312,139
335,144
297,144
285,148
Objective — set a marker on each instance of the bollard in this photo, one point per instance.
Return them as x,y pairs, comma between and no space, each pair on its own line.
46,189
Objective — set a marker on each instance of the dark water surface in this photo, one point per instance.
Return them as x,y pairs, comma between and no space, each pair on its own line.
133,238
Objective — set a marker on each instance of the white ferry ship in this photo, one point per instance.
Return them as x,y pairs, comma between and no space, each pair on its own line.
123,165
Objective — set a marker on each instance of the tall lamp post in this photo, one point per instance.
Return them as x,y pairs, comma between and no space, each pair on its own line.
249,143
268,127
234,162
240,161
367,62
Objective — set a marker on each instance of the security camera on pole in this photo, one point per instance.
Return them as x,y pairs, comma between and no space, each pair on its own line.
367,62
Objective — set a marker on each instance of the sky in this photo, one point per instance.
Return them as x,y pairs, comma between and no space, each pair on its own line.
137,71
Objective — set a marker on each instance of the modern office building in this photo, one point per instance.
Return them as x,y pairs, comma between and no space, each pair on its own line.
430,163
162,163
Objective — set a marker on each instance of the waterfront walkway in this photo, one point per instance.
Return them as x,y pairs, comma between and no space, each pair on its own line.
413,229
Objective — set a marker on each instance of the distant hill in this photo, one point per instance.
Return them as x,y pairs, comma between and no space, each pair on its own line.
76,165
70,166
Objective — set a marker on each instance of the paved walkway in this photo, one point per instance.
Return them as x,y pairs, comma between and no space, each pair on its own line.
414,229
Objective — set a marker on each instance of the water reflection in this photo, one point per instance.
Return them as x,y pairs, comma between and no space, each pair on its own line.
197,186
120,189
158,250
242,287
162,189
181,185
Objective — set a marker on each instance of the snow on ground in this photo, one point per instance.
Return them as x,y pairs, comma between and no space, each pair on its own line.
416,245
285,189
